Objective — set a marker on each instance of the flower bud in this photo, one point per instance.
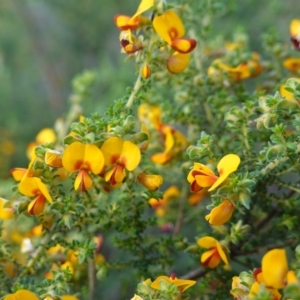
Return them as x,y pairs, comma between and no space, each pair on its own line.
146,71
53,158
151,182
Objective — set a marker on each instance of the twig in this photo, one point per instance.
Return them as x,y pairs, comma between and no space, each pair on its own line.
135,90
91,278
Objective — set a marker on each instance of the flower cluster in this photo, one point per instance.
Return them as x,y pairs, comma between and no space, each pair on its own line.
169,28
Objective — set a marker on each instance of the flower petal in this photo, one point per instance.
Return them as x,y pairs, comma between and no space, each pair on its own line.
222,253
178,62
111,150
144,5
275,268
21,295
94,159
228,164
151,182
207,242
73,156
210,258
169,26
183,45
126,22
295,28
205,181
130,156
220,214
37,205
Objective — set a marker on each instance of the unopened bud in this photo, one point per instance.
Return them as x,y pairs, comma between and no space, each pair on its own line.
145,71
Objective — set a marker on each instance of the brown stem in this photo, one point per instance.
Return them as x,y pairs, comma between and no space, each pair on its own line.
91,278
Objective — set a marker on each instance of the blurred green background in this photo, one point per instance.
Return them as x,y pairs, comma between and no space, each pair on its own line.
44,44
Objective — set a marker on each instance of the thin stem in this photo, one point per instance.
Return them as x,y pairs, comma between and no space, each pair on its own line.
91,278
289,187
180,214
136,88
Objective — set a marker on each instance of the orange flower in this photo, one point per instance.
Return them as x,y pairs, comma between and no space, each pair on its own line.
203,177
83,158
130,44
171,29
160,205
215,255
33,186
124,22
273,274
175,142
220,214
182,284
292,64
244,70
119,156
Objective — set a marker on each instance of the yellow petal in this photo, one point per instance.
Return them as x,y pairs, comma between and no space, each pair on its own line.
169,26
222,253
46,135
93,158
178,62
68,297
169,139
228,164
275,268
160,158
6,213
111,150
183,284
144,5
83,180
73,156
292,63
33,186
125,22
156,283
210,258
171,192
130,156
295,27
21,295
207,242
254,290
205,181
18,173
291,277
151,182
183,45
220,214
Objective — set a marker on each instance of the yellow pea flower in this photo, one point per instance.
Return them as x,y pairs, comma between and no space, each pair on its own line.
213,257
130,44
46,135
182,284
151,182
221,214
119,156
21,173
295,33
31,187
83,158
286,94
124,22
174,140
151,115
170,28
203,177
291,63
21,295
244,70
274,274
160,205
